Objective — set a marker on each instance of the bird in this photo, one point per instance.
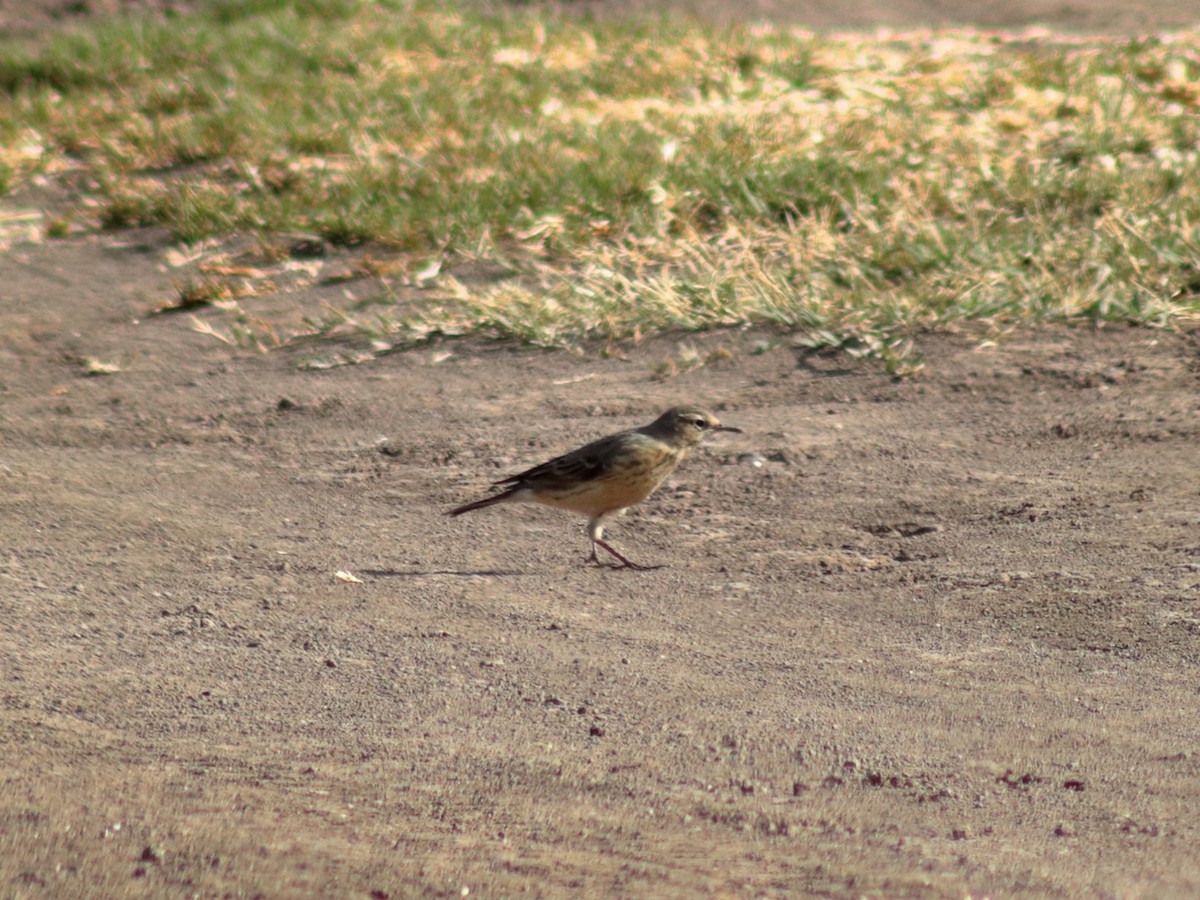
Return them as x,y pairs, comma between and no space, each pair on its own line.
604,478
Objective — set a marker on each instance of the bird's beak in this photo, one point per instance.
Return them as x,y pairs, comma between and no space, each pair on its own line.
727,428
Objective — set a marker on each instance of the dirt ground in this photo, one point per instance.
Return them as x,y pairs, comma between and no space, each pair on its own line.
931,638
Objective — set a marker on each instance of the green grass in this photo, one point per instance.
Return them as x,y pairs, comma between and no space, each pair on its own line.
644,175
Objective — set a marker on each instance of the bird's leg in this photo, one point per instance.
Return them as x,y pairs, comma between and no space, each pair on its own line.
596,535
595,530
625,563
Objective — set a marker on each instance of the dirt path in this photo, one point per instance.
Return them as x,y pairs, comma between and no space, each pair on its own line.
930,638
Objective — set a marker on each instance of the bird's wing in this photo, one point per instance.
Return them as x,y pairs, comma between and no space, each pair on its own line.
585,464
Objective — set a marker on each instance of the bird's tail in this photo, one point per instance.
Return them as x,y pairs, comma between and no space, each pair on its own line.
480,504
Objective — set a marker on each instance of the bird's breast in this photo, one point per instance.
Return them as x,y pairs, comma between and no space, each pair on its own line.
632,475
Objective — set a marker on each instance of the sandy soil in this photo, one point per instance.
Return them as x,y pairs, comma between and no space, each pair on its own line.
927,638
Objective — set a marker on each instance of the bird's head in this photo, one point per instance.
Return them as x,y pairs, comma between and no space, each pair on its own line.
687,425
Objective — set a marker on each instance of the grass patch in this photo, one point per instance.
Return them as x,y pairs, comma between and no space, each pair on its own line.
642,175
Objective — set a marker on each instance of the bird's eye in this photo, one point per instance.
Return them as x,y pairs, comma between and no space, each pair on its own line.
700,423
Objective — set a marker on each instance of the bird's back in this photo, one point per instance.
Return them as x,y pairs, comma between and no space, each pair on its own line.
613,472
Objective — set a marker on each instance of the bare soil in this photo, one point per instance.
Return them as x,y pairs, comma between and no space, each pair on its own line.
929,638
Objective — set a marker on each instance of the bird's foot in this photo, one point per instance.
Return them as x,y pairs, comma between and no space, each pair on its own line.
622,563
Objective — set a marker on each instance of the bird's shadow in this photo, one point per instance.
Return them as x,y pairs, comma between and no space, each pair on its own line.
425,573
482,573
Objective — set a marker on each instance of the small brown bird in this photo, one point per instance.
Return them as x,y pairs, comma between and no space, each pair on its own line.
606,477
